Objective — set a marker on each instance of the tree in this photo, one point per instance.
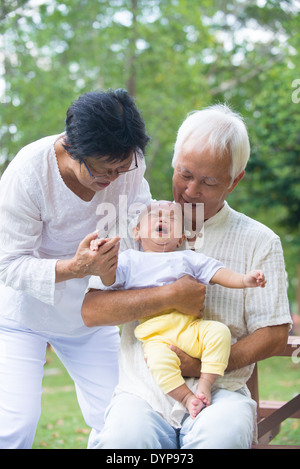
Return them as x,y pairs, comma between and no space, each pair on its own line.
174,56
262,90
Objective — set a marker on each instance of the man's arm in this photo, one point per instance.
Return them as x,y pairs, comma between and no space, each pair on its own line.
261,344
104,308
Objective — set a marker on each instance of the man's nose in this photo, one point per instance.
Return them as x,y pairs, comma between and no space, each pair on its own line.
193,189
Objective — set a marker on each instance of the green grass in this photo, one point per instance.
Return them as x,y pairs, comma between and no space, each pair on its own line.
279,380
61,425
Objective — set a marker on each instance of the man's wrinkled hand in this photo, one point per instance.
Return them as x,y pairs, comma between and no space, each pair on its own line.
190,367
188,295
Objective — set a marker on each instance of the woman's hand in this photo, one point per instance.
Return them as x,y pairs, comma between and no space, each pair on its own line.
102,261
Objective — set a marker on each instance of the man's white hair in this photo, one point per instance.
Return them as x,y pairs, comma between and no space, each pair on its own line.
220,130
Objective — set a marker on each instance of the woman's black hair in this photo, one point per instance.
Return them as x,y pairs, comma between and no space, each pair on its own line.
105,124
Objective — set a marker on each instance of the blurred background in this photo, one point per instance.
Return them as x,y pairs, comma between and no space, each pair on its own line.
173,56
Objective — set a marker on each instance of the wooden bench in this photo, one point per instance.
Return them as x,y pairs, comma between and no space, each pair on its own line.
271,414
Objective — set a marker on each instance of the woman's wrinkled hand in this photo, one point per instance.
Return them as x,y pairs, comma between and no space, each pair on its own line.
96,256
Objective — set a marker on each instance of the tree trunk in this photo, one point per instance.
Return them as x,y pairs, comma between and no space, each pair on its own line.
131,83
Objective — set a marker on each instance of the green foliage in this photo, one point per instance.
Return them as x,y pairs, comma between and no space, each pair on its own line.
174,56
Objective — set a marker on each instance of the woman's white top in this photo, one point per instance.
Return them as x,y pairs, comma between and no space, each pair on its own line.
42,221
241,244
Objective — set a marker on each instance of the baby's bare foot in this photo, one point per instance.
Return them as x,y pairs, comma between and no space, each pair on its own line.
194,405
203,398
203,391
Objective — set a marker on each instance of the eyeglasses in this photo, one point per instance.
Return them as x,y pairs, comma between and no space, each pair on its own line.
112,172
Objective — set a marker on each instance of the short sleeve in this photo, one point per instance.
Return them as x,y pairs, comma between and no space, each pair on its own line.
122,273
268,306
96,283
205,267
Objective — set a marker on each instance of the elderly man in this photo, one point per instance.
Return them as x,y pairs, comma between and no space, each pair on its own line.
211,153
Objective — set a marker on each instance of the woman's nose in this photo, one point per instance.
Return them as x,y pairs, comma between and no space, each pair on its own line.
112,175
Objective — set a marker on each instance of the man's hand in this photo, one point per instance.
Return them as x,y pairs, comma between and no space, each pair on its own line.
190,367
106,308
187,296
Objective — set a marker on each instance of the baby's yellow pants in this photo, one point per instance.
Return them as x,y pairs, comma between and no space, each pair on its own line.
206,340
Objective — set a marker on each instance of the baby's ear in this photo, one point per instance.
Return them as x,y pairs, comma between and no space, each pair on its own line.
136,233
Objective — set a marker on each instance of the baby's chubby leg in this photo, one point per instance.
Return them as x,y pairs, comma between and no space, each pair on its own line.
214,342
194,403
164,364
203,391
188,399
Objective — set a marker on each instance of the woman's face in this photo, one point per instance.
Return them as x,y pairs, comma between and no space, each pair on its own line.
97,174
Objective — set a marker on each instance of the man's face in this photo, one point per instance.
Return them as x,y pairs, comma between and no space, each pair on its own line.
200,177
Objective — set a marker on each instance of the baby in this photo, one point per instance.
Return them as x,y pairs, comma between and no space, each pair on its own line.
160,233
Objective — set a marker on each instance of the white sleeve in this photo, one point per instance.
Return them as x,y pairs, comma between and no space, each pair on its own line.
122,274
96,283
268,306
205,267
20,238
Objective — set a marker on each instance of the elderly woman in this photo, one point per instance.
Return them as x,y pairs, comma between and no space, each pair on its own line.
51,198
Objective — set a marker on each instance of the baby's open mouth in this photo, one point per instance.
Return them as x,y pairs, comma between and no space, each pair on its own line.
161,229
